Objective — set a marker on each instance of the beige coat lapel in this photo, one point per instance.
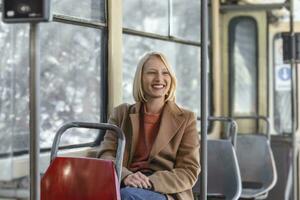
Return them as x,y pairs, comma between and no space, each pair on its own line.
171,121
135,123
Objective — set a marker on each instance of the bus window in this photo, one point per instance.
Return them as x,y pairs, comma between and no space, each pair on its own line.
71,59
14,111
183,26
243,66
70,79
148,16
282,90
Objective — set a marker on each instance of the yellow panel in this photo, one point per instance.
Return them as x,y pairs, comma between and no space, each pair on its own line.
260,18
114,53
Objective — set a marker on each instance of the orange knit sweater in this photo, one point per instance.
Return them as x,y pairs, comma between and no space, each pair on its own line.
149,125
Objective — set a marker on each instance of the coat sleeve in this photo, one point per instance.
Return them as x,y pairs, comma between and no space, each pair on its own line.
109,144
187,164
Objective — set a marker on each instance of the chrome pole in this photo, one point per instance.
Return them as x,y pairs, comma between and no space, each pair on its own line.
204,96
170,18
34,109
293,100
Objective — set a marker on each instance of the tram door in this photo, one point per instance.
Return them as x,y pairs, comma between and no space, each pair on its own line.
281,111
244,67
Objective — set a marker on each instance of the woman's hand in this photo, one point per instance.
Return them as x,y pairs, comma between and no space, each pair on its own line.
137,180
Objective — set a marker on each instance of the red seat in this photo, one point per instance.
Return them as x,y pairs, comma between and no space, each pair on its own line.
80,179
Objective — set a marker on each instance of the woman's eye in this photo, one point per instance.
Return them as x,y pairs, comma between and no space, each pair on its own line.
151,72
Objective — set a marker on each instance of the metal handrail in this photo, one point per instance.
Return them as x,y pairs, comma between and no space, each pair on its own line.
263,118
101,126
231,122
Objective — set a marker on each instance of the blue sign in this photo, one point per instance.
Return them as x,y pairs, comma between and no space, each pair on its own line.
285,73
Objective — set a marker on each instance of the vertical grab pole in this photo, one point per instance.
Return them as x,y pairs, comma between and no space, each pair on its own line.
170,18
204,95
34,106
293,101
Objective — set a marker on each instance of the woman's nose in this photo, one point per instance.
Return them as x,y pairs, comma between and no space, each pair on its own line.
159,76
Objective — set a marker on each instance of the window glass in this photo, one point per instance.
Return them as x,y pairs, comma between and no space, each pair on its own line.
70,83
88,9
243,64
148,16
186,19
296,10
70,79
282,90
184,59
14,118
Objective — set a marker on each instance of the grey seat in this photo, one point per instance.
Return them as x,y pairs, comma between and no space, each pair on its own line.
257,166
223,179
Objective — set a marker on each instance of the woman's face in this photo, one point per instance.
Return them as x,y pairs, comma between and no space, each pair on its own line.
156,78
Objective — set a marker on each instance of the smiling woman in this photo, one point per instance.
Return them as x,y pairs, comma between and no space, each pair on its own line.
161,158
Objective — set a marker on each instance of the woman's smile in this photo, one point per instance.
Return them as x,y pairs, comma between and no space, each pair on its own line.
158,86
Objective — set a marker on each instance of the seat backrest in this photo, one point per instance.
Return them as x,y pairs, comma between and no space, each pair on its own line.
257,165
223,179
80,178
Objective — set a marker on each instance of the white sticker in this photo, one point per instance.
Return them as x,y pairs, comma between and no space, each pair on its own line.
283,77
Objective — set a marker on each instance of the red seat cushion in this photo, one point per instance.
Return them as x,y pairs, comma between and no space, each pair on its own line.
80,179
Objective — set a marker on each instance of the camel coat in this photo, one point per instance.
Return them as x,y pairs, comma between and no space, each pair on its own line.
174,157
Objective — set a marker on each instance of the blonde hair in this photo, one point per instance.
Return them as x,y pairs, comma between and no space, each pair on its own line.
138,93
